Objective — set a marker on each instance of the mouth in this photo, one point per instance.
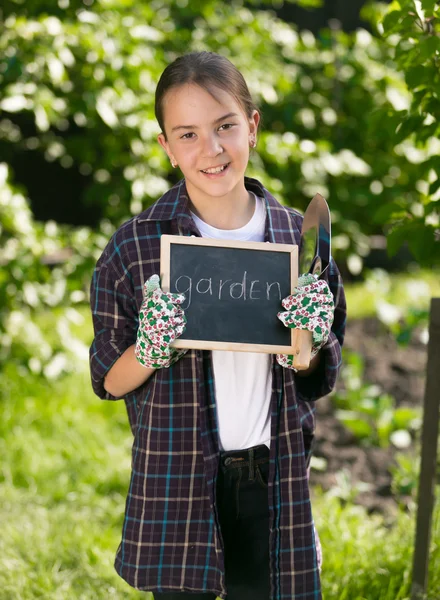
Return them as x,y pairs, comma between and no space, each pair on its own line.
216,170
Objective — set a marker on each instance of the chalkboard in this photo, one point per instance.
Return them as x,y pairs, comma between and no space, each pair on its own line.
233,292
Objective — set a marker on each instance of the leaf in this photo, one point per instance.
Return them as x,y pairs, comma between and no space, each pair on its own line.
389,212
416,76
425,133
433,206
356,423
428,47
433,163
422,243
432,106
404,336
429,5
404,416
410,125
391,20
397,238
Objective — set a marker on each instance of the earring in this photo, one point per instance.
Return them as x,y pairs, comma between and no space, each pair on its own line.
173,164
253,143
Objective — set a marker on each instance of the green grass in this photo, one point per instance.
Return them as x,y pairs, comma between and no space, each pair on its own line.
65,460
366,558
64,475
65,463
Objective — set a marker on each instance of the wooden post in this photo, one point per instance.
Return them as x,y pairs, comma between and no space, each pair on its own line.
426,491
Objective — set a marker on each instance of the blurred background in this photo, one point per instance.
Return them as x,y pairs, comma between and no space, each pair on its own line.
350,97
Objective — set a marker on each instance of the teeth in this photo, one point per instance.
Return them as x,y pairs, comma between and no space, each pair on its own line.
217,170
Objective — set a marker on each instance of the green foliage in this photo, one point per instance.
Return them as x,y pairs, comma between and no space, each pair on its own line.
77,88
368,412
405,328
405,475
413,28
345,490
401,302
365,557
64,474
29,284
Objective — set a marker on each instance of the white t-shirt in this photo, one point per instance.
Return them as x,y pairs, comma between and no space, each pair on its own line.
243,380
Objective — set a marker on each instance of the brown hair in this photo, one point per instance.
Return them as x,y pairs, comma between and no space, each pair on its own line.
208,70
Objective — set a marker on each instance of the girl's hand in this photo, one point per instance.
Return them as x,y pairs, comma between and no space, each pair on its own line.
161,321
310,307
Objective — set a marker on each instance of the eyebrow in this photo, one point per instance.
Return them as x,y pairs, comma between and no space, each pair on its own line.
228,116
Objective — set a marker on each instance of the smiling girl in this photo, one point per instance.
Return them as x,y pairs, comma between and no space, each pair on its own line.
218,503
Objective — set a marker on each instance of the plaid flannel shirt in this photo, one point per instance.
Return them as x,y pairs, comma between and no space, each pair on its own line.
171,538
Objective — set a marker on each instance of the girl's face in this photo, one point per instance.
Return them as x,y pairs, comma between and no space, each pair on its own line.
203,133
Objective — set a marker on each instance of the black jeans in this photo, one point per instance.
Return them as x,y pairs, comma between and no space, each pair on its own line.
244,520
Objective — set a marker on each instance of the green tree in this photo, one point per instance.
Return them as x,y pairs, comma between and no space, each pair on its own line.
77,84
412,27
33,279
78,91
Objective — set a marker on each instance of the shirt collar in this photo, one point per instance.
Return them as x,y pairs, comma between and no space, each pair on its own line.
175,204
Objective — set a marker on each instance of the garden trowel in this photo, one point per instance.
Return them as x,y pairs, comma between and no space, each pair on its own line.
314,257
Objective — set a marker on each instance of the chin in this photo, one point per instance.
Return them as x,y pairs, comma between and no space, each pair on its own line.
219,191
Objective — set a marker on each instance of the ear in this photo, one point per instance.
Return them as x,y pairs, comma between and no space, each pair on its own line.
253,122
162,141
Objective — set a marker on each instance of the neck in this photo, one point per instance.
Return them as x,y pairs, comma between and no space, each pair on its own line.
225,212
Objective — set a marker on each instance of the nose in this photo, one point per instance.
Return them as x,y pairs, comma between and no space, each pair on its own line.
212,146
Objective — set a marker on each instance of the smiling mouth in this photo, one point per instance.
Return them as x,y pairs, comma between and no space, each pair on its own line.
215,170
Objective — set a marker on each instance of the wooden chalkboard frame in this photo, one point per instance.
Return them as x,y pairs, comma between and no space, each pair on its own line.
165,268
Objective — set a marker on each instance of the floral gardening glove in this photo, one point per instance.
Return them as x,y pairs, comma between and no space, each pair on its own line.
310,307
161,321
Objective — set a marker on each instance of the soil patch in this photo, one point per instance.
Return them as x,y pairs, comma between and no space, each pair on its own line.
400,372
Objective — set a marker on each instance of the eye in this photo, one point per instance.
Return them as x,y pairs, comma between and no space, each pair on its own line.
227,126
185,136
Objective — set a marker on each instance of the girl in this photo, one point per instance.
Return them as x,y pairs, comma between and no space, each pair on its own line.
218,503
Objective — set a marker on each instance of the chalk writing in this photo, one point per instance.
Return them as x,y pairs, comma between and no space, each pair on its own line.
246,289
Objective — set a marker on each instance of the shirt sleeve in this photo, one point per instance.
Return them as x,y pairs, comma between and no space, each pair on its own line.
114,316
322,381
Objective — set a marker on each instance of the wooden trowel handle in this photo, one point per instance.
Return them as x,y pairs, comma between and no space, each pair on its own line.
302,349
